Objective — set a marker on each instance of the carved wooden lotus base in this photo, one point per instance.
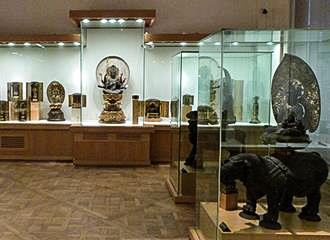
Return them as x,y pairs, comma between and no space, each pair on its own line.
112,117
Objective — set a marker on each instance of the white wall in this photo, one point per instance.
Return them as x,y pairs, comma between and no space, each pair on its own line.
45,65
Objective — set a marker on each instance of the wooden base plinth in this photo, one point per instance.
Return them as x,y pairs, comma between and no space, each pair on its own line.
228,201
75,115
34,111
178,198
293,228
13,113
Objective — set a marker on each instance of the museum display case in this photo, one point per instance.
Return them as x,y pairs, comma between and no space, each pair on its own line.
263,172
184,98
29,64
27,69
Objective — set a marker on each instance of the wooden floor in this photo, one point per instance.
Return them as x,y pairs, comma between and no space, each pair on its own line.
49,201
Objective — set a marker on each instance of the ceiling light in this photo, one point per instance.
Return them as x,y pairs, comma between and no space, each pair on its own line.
235,43
76,43
270,43
217,43
103,20
121,20
11,44
61,44
27,44
112,20
85,20
183,43
200,43
150,43
140,20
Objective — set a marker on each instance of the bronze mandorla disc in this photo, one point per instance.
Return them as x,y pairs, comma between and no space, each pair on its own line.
295,88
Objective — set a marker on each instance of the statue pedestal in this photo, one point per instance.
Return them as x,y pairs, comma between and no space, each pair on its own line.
228,201
75,115
112,112
35,111
55,113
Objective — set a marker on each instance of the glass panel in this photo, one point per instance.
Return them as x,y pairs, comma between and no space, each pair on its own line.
26,70
112,71
208,136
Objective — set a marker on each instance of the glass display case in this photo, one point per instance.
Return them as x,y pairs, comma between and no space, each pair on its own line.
28,70
112,65
263,173
184,98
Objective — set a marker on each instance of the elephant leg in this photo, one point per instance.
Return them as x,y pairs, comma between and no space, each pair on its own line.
249,209
286,203
269,220
311,210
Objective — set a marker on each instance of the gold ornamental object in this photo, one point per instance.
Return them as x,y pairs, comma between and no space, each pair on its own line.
14,91
4,110
112,75
34,91
112,112
188,101
77,100
56,95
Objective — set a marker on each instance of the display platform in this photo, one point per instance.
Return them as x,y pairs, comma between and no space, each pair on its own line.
242,229
187,185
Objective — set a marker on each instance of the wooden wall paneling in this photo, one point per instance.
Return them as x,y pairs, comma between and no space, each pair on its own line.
115,146
161,145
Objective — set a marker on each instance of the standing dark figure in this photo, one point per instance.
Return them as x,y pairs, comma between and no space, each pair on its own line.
192,116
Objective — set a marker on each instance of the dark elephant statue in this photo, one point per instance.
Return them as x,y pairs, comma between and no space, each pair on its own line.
298,174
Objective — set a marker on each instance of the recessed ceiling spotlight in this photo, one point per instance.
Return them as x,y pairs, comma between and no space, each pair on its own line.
183,43
200,43
235,43
112,20
150,43
121,20
61,44
217,43
103,20
76,43
270,43
11,44
85,20
27,44
140,20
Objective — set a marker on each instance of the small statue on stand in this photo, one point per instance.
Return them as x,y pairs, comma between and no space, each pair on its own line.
112,75
255,110
56,95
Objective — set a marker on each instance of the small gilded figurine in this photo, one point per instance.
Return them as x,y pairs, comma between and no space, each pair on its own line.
255,110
